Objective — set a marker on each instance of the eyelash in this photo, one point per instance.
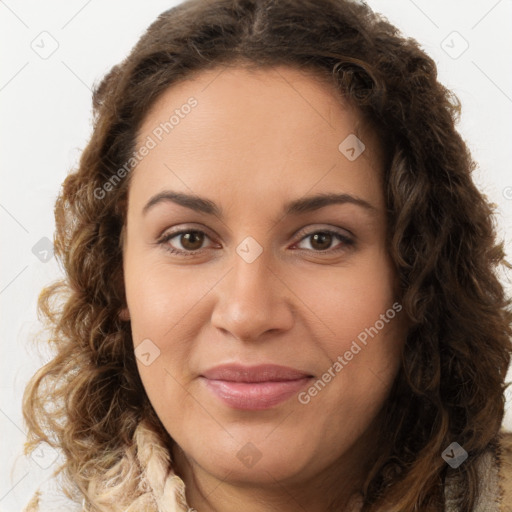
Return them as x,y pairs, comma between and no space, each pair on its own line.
346,241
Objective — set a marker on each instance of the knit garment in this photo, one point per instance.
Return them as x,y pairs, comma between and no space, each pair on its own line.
164,491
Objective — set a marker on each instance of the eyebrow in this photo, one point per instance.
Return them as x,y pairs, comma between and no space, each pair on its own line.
295,207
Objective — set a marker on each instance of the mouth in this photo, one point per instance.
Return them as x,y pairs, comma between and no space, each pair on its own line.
254,388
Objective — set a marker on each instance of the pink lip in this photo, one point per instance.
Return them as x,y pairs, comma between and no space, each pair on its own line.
254,387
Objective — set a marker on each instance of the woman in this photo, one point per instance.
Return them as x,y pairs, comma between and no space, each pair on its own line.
280,285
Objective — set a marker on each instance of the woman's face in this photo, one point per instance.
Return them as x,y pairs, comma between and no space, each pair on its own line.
263,274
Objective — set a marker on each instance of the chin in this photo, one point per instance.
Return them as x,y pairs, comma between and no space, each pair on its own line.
258,463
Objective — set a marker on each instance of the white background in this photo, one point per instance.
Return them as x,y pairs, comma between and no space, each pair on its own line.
46,110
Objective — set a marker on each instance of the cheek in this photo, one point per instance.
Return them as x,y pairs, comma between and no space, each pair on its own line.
348,300
161,304
160,297
360,331
355,385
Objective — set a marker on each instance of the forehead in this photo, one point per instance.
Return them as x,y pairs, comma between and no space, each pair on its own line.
265,130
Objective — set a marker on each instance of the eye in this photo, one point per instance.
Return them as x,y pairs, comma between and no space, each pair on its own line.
321,241
191,241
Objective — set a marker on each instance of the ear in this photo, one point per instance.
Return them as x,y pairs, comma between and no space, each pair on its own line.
124,314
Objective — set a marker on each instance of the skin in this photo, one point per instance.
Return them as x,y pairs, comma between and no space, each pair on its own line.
256,140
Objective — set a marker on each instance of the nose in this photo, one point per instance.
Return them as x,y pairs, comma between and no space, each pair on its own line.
252,300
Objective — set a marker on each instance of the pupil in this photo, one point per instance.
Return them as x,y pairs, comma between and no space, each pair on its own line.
188,239
322,237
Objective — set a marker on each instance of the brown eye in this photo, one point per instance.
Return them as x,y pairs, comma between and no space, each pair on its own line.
192,240
321,241
186,242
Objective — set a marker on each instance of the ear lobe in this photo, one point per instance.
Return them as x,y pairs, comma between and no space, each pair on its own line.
124,314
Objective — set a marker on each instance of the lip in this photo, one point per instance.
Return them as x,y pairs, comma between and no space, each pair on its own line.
254,387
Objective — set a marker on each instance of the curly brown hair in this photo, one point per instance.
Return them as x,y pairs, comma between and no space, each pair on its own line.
89,399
